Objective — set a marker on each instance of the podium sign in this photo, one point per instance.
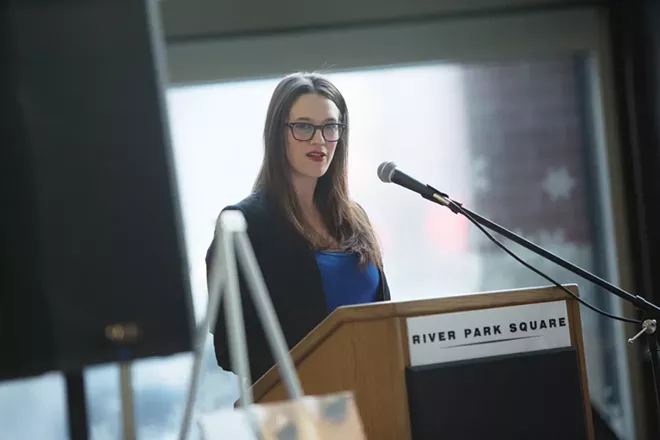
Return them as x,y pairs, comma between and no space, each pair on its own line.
484,333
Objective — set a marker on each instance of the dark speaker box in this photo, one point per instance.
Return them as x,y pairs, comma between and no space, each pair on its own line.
93,259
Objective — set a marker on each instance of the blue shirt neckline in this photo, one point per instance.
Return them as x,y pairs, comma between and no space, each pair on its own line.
345,282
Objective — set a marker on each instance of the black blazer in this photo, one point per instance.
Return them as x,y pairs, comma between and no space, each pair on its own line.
293,279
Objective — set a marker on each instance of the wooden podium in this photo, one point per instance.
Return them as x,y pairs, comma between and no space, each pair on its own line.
367,349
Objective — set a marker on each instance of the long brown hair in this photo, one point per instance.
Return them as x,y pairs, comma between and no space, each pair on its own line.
344,219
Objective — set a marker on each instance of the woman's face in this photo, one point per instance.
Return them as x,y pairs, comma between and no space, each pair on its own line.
312,135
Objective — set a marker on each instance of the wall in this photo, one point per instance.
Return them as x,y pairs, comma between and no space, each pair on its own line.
479,38
191,19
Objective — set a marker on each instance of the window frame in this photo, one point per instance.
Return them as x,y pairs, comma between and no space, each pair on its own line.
520,35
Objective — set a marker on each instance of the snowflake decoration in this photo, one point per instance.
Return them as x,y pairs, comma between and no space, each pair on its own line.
558,184
480,180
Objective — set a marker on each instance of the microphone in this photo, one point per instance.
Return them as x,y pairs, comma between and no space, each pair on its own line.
387,172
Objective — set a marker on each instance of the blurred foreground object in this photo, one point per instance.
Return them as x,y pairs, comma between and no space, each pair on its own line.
331,417
93,266
315,418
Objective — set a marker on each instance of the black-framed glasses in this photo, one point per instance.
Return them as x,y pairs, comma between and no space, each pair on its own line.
305,131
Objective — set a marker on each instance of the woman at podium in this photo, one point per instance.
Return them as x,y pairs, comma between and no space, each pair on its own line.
315,246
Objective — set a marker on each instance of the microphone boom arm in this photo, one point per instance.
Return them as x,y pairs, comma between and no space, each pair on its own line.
651,311
457,208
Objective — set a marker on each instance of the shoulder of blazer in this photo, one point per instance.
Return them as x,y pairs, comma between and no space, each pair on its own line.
255,206
258,212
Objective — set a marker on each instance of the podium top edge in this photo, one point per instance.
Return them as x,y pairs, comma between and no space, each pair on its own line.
454,303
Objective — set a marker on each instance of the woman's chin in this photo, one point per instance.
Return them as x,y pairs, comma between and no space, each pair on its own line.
315,173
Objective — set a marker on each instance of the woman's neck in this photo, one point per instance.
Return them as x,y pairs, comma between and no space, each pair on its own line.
304,187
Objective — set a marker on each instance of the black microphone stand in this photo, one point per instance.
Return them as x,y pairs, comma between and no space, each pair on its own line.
651,311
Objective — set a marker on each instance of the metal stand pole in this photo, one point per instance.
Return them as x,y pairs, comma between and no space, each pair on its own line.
655,365
75,396
127,404
232,246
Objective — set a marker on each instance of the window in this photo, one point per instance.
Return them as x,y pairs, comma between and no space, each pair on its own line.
511,140
34,408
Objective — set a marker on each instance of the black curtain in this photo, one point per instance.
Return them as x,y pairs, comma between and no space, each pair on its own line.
635,27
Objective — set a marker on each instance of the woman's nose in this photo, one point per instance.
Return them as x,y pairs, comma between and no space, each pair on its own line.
317,139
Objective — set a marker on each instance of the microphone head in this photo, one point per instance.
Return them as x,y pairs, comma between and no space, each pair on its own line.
386,171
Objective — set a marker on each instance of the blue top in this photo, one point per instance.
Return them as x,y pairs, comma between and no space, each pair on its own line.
344,281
